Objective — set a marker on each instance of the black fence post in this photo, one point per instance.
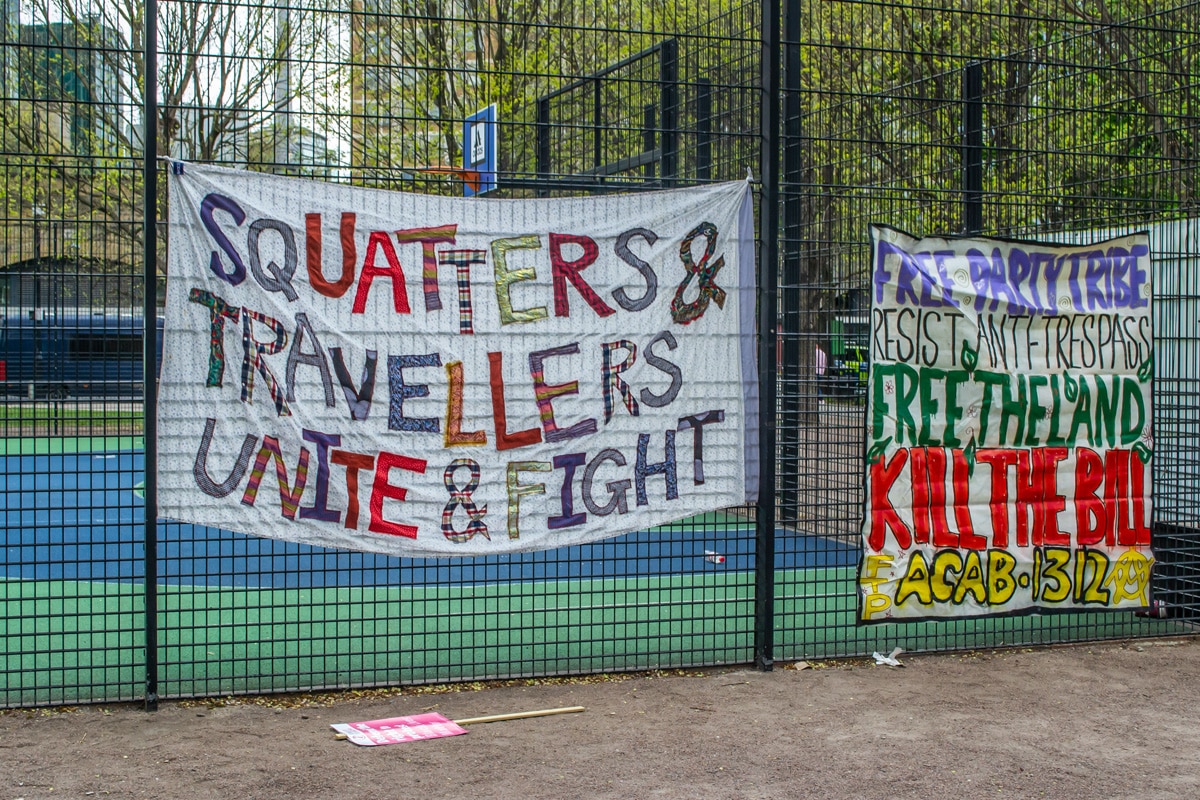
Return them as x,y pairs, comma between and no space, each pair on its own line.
972,174
649,138
669,97
768,268
792,399
150,347
543,146
703,129
597,129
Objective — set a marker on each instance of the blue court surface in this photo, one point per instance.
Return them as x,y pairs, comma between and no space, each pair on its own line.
77,516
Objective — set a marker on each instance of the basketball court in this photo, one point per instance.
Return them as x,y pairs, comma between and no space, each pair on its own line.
74,567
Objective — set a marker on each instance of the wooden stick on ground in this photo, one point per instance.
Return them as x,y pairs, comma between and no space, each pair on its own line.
520,715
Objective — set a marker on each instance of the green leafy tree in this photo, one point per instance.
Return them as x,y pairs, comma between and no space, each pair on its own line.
223,69
418,68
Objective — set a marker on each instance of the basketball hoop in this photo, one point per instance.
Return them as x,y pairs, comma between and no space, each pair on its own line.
469,176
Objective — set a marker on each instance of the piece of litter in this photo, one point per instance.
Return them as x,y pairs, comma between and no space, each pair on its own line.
801,665
888,660
1156,610
395,730
426,726
713,557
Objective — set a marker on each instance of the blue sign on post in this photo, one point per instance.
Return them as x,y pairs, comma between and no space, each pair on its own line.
479,150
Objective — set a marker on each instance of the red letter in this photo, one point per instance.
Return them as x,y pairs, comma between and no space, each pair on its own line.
883,515
942,535
564,271
380,240
1116,494
962,504
1002,461
1030,478
505,440
919,474
1089,478
381,490
353,462
1052,501
312,241
1138,480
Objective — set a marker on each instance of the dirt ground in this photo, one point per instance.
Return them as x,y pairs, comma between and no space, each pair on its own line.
1113,720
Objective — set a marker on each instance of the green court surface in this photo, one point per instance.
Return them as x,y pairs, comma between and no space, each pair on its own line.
68,642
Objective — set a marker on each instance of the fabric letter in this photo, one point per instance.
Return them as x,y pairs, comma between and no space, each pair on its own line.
219,311
610,377
320,509
504,439
275,278
428,237
358,400
616,489
400,391
666,468
505,278
662,365
297,356
564,271
380,241
517,490
545,394
253,352
463,261
697,422
353,462
209,204
705,273
455,437
567,462
312,243
461,496
647,272
200,468
382,490
289,496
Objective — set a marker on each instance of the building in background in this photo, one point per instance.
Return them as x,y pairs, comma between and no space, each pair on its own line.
413,80
63,241
213,135
62,70
10,35
308,153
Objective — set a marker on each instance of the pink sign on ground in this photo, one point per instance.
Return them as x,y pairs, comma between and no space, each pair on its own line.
398,729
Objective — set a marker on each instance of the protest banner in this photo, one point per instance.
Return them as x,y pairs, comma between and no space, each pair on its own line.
418,375
1009,434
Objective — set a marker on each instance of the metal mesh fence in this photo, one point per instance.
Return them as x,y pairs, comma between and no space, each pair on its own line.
374,93
1041,121
72,614
391,88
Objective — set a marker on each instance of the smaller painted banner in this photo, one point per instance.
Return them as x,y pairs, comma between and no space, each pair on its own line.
1008,427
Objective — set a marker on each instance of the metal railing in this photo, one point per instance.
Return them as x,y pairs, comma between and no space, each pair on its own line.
1047,125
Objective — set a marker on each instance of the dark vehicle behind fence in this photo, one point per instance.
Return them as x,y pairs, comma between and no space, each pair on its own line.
846,374
73,354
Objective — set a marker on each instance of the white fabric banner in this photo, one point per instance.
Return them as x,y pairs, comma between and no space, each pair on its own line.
418,375
1009,427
